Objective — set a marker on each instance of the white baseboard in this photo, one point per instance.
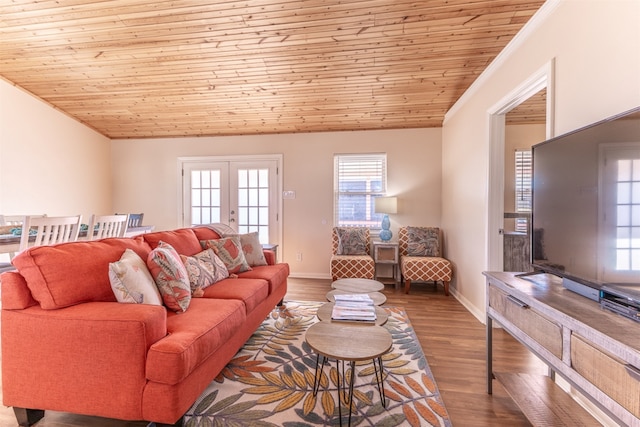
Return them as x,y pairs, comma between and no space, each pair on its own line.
478,314
310,276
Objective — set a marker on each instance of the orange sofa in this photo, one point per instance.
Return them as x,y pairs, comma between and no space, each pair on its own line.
68,345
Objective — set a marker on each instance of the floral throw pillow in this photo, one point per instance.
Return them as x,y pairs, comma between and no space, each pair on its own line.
423,241
352,241
204,269
131,281
170,276
252,248
229,250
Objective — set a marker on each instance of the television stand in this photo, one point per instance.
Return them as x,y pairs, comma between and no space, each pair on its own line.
596,351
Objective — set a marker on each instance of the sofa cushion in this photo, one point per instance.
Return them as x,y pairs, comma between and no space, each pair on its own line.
230,252
250,291
170,276
275,274
183,240
204,269
131,281
352,241
192,337
53,273
251,248
212,231
423,241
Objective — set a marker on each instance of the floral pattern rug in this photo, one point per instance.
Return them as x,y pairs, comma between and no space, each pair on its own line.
270,381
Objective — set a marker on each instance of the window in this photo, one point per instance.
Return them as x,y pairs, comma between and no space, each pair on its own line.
358,180
523,188
628,215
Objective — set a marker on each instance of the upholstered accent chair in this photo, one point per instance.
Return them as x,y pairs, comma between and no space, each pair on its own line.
421,257
351,248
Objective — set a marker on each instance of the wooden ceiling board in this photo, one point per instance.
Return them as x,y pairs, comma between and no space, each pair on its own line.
137,69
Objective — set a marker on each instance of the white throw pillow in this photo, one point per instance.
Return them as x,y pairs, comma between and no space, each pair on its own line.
131,281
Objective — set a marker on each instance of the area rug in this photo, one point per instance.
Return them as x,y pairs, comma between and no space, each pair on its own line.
270,381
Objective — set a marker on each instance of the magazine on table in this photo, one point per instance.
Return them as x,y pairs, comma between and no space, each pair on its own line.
356,307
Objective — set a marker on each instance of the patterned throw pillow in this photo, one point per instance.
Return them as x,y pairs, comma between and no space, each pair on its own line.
229,250
423,241
170,276
352,241
204,269
131,281
252,248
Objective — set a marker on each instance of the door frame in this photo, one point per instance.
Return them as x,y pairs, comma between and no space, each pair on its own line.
278,158
543,78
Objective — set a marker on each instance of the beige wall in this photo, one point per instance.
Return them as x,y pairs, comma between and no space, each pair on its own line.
145,180
49,163
596,46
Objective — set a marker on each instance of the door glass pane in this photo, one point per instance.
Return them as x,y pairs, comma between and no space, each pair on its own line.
253,202
205,196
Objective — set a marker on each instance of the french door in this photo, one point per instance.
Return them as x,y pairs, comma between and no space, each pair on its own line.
243,192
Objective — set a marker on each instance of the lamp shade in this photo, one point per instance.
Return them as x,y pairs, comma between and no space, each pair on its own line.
386,205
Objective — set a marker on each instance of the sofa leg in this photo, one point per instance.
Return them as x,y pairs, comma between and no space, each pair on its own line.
407,285
446,287
178,423
27,417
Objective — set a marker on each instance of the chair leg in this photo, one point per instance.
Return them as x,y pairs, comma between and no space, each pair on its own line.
407,285
446,287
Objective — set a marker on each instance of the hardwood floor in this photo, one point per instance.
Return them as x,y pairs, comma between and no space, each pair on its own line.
453,342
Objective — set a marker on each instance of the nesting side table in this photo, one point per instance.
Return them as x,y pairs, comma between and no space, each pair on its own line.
386,253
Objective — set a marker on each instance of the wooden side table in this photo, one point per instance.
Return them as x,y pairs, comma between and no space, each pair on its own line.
386,253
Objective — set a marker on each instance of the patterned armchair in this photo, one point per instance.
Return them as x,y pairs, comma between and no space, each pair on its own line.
351,248
421,257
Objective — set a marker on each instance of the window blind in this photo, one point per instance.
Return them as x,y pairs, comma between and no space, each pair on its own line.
358,180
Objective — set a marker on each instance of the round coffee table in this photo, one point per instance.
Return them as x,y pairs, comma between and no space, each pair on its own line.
357,286
378,297
324,314
348,343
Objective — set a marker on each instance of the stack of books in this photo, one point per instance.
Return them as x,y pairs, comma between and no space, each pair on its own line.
354,307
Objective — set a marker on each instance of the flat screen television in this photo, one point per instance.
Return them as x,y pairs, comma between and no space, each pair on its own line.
586,203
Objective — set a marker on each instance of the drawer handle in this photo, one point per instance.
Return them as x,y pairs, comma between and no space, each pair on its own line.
517,301
633,371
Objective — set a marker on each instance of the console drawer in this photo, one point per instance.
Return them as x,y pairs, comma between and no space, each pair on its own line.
547,333
613,376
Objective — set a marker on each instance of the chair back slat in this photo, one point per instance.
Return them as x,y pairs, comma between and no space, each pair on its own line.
49,230
103,226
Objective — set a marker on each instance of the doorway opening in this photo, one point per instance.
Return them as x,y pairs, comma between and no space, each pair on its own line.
526,101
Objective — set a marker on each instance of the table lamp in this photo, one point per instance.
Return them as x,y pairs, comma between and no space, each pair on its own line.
386,205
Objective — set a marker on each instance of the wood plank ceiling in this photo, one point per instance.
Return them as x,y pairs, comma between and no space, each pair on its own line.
140,68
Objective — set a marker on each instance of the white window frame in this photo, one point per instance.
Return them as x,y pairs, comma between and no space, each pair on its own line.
369,168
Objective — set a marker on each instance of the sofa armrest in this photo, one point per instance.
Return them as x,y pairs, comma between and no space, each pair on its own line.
73,357
270,256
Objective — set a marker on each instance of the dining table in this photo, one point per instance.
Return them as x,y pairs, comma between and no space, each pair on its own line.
10,243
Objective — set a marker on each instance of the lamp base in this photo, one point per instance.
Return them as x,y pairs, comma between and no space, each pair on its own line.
385,233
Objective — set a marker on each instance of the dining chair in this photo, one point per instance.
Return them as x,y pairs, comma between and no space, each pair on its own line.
49,230
103,226
10,222
135,220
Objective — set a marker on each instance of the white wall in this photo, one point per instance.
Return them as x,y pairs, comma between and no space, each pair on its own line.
596,46
145,180
49,163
